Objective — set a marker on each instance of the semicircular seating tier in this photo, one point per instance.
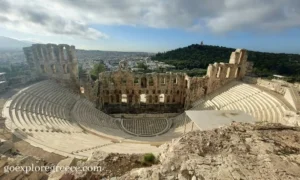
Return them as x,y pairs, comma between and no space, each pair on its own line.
240,96
41,115
51,117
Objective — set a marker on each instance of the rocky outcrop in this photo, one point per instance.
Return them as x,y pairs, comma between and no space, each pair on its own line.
7,173
239,151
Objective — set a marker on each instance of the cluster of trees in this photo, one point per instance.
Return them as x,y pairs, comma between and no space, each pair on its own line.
14,71
142,65
265,64
98,68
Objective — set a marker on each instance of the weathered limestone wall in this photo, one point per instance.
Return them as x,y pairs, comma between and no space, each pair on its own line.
222,73
53,61
290,98
128,91
272,85
288,91
125,92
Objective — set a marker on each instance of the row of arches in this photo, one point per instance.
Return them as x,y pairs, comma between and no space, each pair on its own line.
145,82
228,72
177,92
142,98
52,52
53,68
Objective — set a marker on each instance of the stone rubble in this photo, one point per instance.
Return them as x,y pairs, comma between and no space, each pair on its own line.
239,151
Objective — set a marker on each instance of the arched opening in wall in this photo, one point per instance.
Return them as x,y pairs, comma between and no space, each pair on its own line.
105,99
163,81
219,72
173,100
112,99
150,99
43,68
55,53
42,54
168,99
151,83
228,72
82,90
205,90
117,98
175,80
162,98
153,91
183,101
65,54
136,80
237,72
156,99
185,83
52,54
129,99
124,98
144,82
143,98
65,67
124,81
53,68
177,92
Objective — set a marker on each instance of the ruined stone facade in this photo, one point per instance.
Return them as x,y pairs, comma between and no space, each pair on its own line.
52,61
126,92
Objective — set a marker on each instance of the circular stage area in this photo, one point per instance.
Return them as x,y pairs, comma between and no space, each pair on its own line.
145,126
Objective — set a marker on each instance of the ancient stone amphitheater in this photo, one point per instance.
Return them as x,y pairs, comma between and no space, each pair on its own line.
54,118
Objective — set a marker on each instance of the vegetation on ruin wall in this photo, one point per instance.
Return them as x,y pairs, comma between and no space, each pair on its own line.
143,68
265,64
190,72
98,68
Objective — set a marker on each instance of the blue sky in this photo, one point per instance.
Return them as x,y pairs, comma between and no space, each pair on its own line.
155,26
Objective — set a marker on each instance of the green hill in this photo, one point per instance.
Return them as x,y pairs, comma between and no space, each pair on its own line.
265,64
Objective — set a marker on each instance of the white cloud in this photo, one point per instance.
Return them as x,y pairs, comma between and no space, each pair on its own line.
38,18
74,17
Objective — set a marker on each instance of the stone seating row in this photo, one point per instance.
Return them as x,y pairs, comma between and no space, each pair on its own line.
44,120
35,109
257,103
233,94
96,121
80,145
